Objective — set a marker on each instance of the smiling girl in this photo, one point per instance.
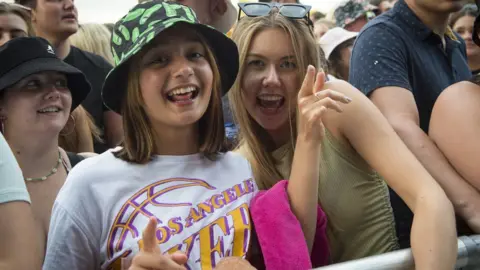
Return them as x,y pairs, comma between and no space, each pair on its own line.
360,152
172,171
38,91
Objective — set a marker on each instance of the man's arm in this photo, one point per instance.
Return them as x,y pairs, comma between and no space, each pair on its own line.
399,107
380,69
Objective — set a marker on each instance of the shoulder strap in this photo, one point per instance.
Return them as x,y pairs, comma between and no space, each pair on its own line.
74,158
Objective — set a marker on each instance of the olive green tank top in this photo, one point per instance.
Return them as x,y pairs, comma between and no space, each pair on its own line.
355,199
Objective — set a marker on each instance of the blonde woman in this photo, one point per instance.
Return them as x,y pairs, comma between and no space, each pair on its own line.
172,172
359,145
94,38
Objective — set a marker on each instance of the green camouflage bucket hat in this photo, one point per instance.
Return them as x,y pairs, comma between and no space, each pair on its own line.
348,11
143,24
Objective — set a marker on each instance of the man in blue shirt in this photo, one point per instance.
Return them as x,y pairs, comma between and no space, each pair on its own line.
403,60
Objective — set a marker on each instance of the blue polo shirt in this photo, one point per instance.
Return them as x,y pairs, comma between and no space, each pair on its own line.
397,49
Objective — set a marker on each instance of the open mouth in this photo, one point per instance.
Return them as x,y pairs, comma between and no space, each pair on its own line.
182,95
51,109
271,102
69,17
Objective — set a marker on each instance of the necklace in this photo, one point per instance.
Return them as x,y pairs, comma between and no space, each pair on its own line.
52,171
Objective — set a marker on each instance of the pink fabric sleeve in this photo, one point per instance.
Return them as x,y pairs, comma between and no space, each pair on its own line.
280,235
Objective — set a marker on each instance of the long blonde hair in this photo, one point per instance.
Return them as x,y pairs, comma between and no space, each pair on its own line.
94,38
253,139
139,135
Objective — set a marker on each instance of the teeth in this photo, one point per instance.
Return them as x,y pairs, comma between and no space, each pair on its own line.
182,91
50,109
270,97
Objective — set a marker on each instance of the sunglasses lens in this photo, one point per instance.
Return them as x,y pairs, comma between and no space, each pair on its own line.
256,10
296,12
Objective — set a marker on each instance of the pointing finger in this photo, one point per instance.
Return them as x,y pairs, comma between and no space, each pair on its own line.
149,238
308,82
319,82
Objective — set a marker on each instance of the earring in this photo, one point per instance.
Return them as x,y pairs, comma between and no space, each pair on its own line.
64,134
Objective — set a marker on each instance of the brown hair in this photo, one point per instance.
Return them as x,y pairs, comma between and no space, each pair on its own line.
69,139
467,10
138,145
22,12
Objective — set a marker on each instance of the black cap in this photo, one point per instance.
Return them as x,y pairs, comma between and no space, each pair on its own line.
22,57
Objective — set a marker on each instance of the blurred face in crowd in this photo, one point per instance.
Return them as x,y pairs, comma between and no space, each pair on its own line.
38,103
11,26
441,6
464,27
270,81
357,25
342,55
320,30
55,18
208,11
385,6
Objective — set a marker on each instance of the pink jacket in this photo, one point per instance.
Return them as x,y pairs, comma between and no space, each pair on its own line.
280,235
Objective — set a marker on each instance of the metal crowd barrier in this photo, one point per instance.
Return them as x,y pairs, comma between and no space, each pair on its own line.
468,258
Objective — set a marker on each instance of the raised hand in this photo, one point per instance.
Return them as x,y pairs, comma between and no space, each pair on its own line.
313,102
150,256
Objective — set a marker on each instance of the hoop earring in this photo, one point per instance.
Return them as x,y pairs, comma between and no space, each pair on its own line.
73,128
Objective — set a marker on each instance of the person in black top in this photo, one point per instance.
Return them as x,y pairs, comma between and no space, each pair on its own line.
403,60
56,21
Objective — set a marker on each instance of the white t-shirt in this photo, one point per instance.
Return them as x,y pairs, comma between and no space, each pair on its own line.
202,208
12,185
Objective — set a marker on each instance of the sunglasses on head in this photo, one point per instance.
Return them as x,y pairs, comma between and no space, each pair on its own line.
292,11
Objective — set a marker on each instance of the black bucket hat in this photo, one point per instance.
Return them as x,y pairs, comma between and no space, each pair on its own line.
25,56
145,22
